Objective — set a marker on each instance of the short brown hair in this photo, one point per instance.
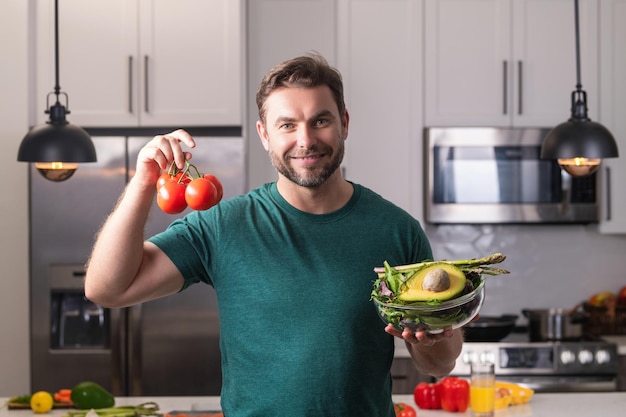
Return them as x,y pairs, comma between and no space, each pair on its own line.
310,70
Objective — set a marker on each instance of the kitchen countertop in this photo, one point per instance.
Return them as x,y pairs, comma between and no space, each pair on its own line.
562,404
619,340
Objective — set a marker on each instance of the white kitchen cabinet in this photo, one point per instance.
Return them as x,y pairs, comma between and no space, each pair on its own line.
143,62
278,30
381,61
613,113
506,62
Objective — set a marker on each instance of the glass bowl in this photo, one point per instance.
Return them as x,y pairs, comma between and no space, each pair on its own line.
433,318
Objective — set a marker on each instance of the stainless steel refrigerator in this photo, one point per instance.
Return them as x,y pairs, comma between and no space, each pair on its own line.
163,347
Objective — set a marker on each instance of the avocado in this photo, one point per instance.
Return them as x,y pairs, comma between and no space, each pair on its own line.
87,395
439,281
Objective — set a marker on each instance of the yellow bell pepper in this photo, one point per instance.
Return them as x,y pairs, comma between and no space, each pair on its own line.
518,393
502,401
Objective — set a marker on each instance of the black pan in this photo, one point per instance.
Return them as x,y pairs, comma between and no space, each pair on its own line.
489,328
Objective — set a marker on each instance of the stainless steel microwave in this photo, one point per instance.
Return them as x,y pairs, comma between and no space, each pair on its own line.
479,175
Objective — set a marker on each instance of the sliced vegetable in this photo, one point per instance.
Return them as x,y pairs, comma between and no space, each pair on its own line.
63,396
439,281
394,283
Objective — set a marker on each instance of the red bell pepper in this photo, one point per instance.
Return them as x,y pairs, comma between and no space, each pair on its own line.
427,396
454,394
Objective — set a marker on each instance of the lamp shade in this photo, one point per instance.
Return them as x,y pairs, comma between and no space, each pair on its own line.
54,142
579,138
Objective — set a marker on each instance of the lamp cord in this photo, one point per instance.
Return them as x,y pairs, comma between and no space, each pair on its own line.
57,87
578,82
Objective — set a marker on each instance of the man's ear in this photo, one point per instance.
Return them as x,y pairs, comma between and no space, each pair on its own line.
260,128
346,122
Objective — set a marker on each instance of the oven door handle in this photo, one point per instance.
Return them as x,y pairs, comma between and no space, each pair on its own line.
566,383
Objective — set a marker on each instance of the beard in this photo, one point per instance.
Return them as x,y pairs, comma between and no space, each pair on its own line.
312,177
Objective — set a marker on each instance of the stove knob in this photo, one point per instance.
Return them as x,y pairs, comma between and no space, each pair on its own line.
567,357
603,356
487,357
469,357
585,356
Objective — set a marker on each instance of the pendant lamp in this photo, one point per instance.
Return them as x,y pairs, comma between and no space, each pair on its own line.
579,144
57,146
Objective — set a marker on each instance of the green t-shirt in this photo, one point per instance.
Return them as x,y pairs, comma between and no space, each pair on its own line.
299,335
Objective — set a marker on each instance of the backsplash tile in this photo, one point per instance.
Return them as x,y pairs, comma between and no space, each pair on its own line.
551,265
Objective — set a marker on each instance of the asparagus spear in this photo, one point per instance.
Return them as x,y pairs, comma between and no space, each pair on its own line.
144,409
478,265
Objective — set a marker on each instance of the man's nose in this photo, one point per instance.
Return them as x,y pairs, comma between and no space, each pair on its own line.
306,136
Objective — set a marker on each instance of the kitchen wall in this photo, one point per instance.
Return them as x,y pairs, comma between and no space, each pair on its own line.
14,360
551,266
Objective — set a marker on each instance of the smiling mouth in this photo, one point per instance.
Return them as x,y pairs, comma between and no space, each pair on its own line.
308,159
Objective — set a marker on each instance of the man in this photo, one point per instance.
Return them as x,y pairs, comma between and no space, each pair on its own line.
291,261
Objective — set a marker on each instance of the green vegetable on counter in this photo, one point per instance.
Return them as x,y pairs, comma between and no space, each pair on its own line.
88,395
21,399
144,409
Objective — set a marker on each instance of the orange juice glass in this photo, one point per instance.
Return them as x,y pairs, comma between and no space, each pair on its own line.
482,389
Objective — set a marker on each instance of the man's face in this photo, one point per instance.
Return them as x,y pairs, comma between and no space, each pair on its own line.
304,134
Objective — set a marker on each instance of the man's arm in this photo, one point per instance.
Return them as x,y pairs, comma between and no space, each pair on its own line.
123,269
439,358
432,354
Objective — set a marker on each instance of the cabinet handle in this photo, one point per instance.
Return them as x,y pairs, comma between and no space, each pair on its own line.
505,81
130,84
519,87
146,106
607,171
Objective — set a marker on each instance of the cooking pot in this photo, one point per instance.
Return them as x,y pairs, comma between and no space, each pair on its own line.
489,328
555,324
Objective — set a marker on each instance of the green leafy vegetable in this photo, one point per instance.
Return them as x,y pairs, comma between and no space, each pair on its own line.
426,315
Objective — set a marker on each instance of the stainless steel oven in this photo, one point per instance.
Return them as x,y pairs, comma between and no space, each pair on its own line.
572,366
495,175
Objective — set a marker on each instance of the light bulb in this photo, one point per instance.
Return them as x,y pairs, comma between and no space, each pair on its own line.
56,171
579,166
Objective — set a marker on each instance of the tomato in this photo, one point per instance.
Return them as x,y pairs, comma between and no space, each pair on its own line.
218,185
177,189
186,179
201,194
163,178
404,410
171,197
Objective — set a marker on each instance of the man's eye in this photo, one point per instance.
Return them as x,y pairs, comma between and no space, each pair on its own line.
321,122
286,126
